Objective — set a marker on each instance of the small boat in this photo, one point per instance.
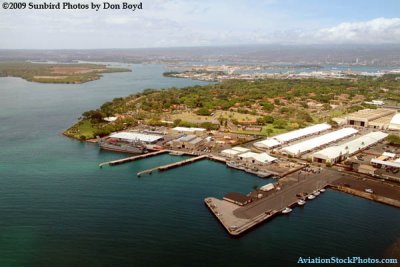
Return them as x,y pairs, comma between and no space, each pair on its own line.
316,193
301,202
310,197
286,210
322,190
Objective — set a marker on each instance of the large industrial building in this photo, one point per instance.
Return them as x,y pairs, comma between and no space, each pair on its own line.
257,158
247,156
379,118
234,151
395,123
338,153
186,130
136,136
281,139
189,141
314,143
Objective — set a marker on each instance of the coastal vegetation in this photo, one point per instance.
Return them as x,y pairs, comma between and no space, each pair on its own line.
55,73
261,107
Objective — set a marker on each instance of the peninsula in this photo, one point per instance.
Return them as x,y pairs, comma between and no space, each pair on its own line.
56,73
262,107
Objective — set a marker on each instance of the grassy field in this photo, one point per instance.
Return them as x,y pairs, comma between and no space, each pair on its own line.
194,118
267,131
82,130
55,73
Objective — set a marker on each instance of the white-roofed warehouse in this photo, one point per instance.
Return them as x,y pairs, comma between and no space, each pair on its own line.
395,122
188,129
311,144
338,153
135,136
234,151
253,157
293,135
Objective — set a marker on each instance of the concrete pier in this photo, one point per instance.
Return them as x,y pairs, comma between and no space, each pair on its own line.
382,192
217,158
172,165
133,158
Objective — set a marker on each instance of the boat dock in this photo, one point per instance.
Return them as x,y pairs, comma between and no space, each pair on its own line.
172,165
238,219
133,158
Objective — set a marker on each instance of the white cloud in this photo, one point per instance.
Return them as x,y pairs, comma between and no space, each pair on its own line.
379,30
120,20
184,23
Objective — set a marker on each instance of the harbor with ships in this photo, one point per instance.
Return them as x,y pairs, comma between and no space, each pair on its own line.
301,169
56,198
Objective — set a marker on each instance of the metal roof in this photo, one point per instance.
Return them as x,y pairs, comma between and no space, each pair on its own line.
133,136
350,147
293,135
188,129
260,157
395,119
316,142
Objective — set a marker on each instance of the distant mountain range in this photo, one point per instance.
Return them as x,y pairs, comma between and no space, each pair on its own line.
367,55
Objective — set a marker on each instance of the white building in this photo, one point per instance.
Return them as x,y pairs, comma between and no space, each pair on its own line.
311,144
188,130
293,135
386,163
338,153
135,136
234,151
185,141
395,122
258,158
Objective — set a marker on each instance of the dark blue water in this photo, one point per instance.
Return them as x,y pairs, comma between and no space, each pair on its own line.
57,208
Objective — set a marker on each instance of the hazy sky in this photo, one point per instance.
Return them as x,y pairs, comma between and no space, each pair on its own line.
165,23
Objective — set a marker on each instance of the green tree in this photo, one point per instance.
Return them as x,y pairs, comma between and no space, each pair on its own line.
203,112
280,123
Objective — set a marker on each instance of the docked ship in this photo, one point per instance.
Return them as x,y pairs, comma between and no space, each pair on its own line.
134,147
234,165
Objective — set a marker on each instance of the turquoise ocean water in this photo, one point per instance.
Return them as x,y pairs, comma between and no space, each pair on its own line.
57,208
